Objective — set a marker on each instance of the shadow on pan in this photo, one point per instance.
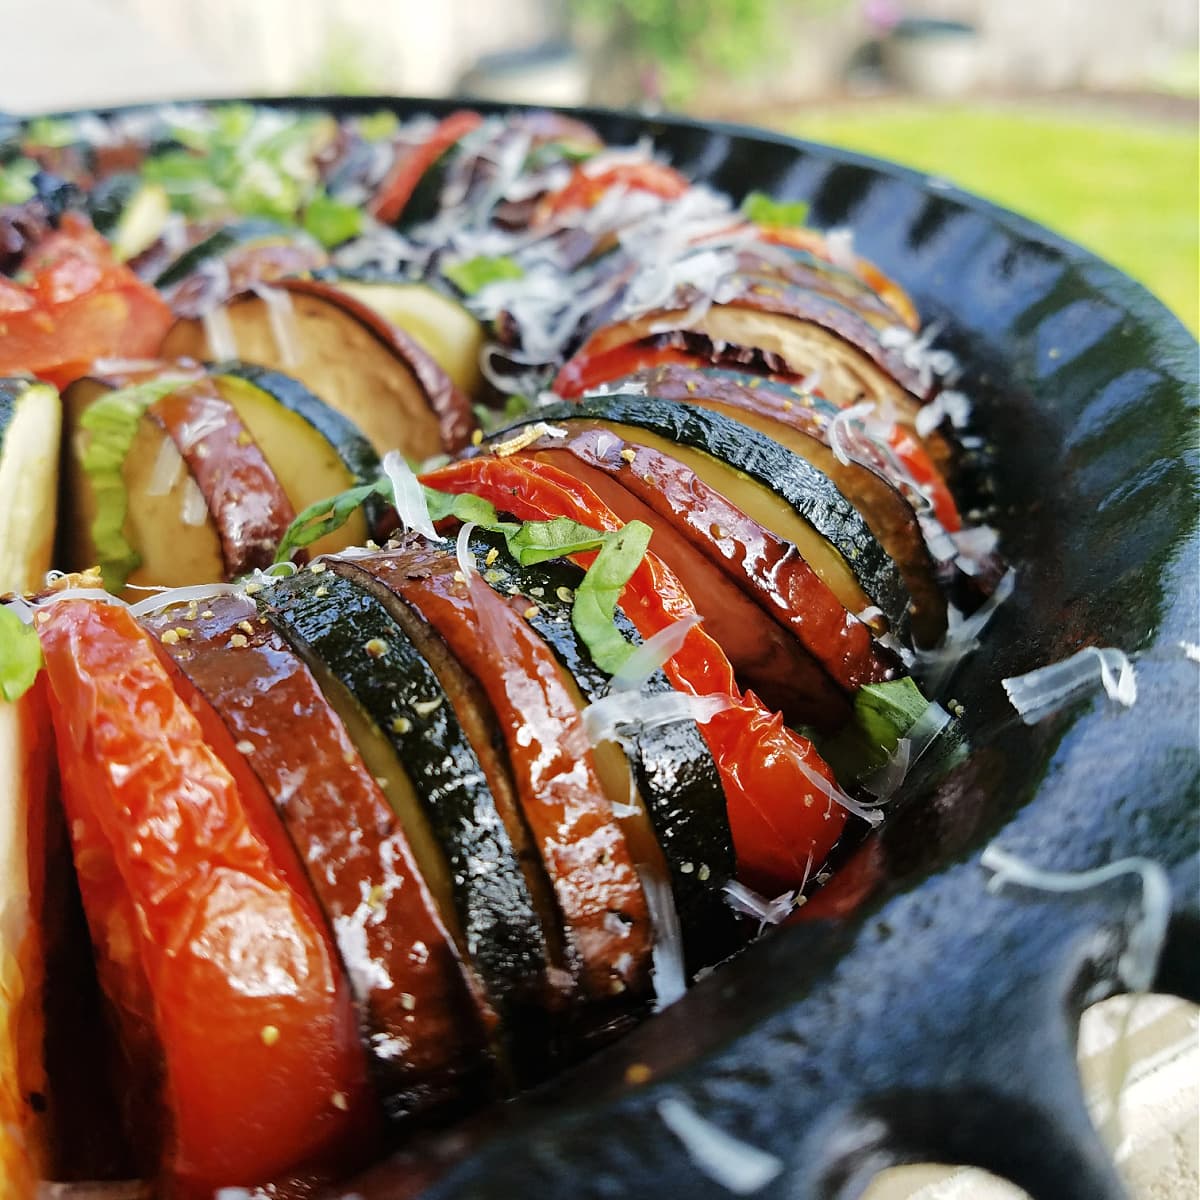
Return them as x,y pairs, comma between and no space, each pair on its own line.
935,1020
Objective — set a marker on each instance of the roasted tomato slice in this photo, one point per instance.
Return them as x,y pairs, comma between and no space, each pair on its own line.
587,186
397,188
783,822
582,373
79,304
221,973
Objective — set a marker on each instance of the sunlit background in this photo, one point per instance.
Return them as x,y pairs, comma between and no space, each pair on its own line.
1082,116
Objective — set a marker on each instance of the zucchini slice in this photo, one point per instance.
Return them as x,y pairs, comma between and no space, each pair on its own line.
165,534
536,1045
368,370
677,780
315,451
800,421
823,645
450,333
781,342
401,716
245,500
600,899
778,489
144,214
30,427
424,1021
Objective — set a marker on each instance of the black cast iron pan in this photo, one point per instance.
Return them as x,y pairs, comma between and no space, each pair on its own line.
937,1021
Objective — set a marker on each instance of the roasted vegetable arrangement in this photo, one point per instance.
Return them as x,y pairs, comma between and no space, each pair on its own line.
494,578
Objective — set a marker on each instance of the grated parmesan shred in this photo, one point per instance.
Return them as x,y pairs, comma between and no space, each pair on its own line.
409,496
652,654
1146,932
935,666
735,1165
670,975
1039,694
462,551
622,715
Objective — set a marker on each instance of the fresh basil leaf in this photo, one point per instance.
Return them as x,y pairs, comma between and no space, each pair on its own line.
52,133
764,210
377,127
186,178
538,541
325,516
330,221
592,614
474,274
883,714
16,181
529,542
20,655
465,508
112,421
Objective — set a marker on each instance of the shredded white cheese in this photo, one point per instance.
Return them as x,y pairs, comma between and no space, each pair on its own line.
647,658
169,597
462,551
670,976
218,332
961,637
1038,694
622,715
168,467
735,1165
835,795
766,912
946,404
409,496
1147,932
193,508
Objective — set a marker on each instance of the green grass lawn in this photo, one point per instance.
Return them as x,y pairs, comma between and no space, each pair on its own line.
1127,190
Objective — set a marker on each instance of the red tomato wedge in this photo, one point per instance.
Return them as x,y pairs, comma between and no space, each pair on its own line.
783,825
397,188
587,186
209,946
581,373
80,304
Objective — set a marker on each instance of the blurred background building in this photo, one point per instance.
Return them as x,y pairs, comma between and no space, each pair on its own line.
746,52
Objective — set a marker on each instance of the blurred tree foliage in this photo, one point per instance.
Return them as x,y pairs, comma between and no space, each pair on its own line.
345,67
679,43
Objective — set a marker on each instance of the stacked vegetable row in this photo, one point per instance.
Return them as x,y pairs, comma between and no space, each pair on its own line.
424,822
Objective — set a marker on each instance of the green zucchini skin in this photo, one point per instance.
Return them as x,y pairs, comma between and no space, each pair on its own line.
334,620
109,199
675,772
809,491
216,244
11,391
357,454
426,200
